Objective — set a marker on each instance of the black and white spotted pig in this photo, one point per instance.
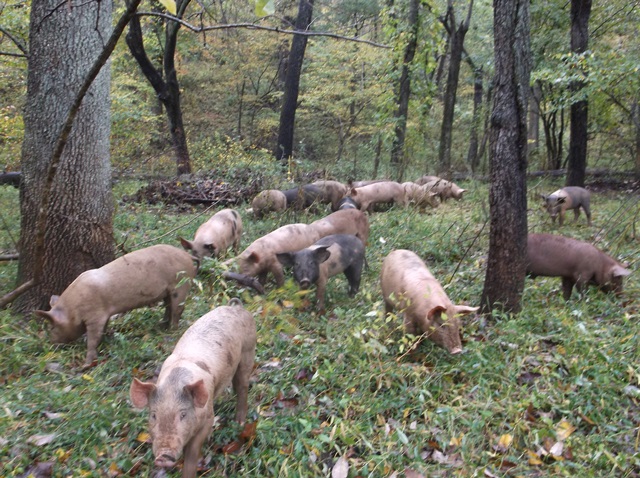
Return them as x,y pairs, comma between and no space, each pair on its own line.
326,258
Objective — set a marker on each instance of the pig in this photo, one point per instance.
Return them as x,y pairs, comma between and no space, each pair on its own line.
303,197
382,192
444,189
409,287
347,203
344,221
215,236
268,201
137,279
326,258
419,195
426,179
569,197
332,191
259,259
218,349
577,262
359,184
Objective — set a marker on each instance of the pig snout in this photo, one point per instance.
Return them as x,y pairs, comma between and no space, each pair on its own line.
165,460
305,284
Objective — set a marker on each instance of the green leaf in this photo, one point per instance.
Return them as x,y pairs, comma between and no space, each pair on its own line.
265,7
170,5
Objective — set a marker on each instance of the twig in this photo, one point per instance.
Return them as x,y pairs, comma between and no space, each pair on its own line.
9,257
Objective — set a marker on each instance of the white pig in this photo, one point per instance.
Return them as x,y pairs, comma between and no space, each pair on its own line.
215,236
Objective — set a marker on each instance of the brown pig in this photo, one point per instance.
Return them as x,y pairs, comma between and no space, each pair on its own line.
577,262
267,201
326,258
569,197
419,195
215,236
408,286
382,192
333,192
259,258
445,189
344,221
217,350
137,279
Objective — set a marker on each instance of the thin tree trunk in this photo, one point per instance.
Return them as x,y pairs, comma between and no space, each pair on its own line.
506,262
578,129
472,155
635,117
284,145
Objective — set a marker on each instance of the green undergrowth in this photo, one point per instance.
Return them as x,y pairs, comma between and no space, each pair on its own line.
552,391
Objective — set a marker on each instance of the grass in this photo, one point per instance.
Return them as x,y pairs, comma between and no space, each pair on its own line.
563,377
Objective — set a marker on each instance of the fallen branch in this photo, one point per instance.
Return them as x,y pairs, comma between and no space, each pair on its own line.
8,298
245,280
9,257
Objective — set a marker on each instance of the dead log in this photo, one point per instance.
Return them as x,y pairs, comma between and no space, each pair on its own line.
245,280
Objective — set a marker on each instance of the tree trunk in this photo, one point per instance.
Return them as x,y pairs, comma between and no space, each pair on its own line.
457,33
504,281
404,92
577,161
534,118
635,117
284,146
64,43
167,88
474,143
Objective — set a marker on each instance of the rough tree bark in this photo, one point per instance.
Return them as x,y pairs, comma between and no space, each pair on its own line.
404,92
167,87
284,146
473,159
504,281
577,161
457,32
64,42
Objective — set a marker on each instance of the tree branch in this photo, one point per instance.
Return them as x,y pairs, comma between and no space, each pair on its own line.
21,46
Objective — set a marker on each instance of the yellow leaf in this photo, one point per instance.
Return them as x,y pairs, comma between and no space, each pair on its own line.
564,429
505,442
287,304
87,377
144,437
534,459
456,441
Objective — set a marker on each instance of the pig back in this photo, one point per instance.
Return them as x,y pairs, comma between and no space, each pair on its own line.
551,255
343,221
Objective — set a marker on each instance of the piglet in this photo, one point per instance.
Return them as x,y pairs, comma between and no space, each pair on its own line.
215,236
379,192
333,192
218,349
577,262
409,287
137,279
570,197
326,258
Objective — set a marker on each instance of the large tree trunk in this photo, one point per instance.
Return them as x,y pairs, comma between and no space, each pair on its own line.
404,92
167,87
506,261
635,117
457,33
284,146
64,43
577,161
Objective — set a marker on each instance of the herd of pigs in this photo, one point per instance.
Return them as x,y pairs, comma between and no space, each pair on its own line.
219,348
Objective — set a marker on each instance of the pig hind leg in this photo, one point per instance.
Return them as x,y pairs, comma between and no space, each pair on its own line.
174,303
353,274
240,384
567,287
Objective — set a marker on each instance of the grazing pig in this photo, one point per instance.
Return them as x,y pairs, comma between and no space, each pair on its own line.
303,197
347,203
259,258
327,258
216,235
408,286
570,197
332,191
577,262
419,195
344,221
218,349
382,192
445,189
267,201
421,181
137,279
359,184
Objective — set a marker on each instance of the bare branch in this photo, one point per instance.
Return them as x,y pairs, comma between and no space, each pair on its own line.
10,297
17,55
254,26
17,42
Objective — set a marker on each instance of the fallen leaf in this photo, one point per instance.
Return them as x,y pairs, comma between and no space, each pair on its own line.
41,440
556,450
504,443
232,447
113,470
144,437
248,433
564,429
489,474
53,416
341,468
410,473
534,459
39,470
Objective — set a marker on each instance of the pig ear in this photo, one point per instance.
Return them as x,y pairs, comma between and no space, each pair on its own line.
435,313
619,271
186,244
253,257
139,393
322,254
53,300
561,200
199,393
285,258
354,192
465,310
46,315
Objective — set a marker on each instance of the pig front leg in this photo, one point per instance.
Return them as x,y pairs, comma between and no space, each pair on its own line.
353,274
193,447
94,337
278,274
240,384
321,289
